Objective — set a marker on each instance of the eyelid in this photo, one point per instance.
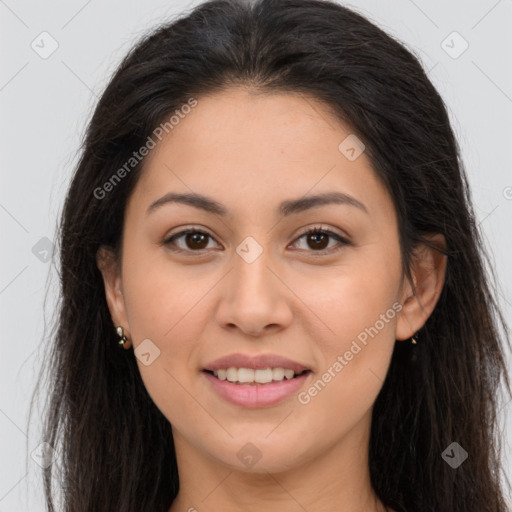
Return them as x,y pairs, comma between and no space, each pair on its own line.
342,239
183,231
323,229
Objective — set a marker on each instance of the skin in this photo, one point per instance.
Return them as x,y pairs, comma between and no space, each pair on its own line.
250,152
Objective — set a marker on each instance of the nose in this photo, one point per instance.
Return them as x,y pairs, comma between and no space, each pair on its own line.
254,298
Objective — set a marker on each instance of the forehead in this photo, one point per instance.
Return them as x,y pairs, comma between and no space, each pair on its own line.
241,124
243,147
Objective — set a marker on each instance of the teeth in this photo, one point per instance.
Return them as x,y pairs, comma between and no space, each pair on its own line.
248,375
278,373
232,374
289,374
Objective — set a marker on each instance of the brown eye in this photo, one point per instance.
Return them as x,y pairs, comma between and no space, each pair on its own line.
317,240
194,240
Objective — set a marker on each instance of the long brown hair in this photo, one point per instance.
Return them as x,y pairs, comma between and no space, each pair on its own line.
116,447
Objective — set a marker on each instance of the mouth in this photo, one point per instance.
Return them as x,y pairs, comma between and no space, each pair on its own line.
256,380
256,377
253,394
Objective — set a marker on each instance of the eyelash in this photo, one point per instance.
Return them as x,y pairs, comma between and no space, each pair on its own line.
313,231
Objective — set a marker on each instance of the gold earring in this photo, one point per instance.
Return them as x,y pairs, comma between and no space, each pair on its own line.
413,341
123,340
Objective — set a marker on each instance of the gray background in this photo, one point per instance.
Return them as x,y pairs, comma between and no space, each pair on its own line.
46,102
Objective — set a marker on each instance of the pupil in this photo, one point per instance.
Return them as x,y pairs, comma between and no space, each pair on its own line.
316,238
196,239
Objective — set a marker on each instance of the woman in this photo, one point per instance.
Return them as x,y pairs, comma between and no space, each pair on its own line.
273,285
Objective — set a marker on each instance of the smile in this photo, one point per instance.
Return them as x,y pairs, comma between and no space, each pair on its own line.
253,393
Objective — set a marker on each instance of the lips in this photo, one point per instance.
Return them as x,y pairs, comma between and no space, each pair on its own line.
255,396
258,362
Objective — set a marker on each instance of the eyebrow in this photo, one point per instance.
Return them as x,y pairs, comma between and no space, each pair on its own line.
286,208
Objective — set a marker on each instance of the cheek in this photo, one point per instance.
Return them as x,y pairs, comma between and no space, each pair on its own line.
159,294
166,303
163,305
357,306
351,297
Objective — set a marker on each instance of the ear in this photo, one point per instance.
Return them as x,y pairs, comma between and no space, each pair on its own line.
428,269
111,272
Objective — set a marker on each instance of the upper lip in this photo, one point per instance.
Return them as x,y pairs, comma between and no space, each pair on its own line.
257,362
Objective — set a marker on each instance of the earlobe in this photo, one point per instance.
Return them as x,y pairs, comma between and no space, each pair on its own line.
428,270
109,267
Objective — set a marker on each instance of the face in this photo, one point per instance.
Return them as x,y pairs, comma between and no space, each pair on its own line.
250,281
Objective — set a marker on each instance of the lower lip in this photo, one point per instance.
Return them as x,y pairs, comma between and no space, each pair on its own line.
254,396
